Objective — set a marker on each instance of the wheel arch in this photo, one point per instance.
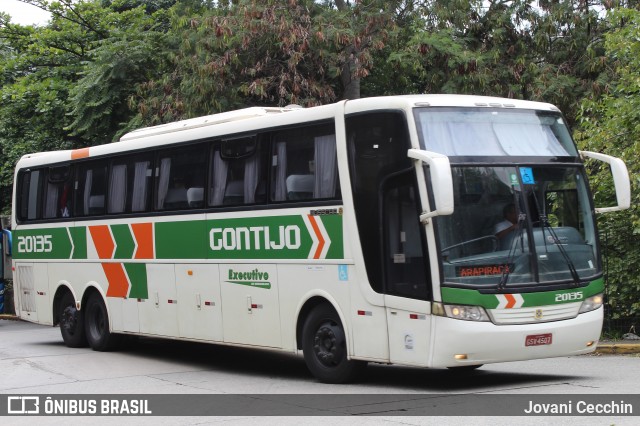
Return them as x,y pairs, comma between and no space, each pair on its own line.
310,303
92,288
64,287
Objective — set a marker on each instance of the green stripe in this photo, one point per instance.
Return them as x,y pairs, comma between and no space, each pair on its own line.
490,301
125,245
79,237
47,243
272,237
137,273
181,240
245,238
333,225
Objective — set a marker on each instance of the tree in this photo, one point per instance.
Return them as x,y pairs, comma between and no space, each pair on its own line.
134,52
65,85
551,53
609,123
265,52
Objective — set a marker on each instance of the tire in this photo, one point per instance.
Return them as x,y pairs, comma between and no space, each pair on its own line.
71,322
96,324
325,347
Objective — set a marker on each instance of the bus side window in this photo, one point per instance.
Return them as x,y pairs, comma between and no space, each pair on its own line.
238,172
181,172
304,164
377,146
29,191
129,183
92,188
405,264
57,192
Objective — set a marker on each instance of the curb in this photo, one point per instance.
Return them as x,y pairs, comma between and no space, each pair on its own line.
9,317
618,348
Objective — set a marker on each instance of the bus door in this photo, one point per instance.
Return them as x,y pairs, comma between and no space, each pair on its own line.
406,274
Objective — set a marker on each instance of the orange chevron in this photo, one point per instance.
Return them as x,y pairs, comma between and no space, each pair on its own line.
105,245
143,234
321,241
511,301
117,278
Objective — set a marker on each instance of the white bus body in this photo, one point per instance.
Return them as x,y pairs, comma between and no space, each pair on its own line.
346,231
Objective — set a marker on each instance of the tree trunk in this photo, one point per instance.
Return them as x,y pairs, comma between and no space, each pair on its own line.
350,84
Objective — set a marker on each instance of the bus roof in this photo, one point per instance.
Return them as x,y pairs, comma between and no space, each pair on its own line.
208,120
256,118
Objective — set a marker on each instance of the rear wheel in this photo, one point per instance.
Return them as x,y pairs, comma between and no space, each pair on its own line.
96,322
325,347
71,322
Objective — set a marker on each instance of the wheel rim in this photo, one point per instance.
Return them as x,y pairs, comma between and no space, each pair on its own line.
327,345
69,319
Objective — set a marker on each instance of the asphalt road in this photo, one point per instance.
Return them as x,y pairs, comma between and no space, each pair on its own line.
33,360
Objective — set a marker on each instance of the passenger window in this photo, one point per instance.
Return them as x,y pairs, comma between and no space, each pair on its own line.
92,188
30,184
304,164
237,173
129,184
58,193
181,174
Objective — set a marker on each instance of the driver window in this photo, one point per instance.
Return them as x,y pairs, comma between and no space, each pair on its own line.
405,266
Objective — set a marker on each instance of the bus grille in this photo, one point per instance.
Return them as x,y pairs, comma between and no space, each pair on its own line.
536,314
26,287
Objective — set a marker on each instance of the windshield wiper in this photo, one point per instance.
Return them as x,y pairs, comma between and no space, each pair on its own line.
506,271
563,252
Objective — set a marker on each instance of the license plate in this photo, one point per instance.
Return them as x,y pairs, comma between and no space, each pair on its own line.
538,339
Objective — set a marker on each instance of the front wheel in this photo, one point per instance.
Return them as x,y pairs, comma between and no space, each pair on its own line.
71,322
96,323
325,347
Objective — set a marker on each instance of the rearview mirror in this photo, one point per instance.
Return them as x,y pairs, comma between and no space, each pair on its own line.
441,181
620,180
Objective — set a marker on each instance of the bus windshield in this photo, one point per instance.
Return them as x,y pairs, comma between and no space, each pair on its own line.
494,132
517,225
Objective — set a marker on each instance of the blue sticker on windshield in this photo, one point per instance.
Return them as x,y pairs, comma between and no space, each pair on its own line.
527,175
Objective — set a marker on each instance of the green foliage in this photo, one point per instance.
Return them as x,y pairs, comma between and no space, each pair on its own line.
263,52
609,123
550,53
132,54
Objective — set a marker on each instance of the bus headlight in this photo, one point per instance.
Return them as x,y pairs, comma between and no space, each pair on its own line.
461,312
591,304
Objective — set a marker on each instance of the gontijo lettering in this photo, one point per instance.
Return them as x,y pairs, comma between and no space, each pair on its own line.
255,238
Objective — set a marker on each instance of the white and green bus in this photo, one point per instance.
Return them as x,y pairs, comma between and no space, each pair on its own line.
370,230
